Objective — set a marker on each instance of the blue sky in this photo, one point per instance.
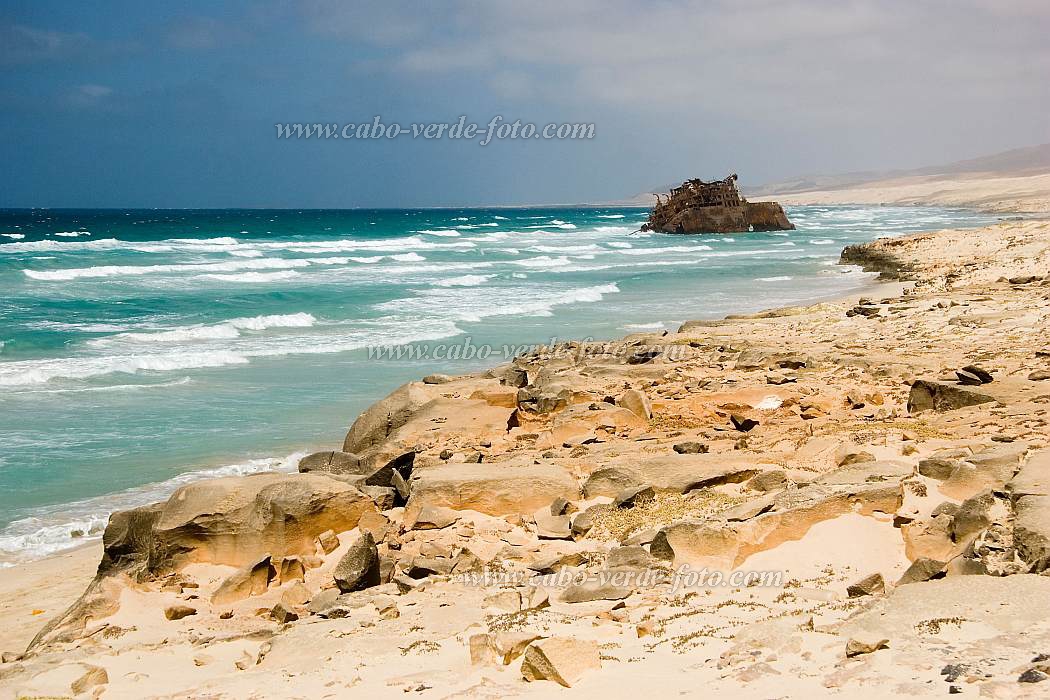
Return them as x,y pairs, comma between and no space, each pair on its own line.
174,104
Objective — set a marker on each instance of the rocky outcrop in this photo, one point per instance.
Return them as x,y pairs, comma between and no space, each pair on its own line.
500,488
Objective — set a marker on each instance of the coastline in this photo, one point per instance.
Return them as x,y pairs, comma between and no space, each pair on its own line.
934,277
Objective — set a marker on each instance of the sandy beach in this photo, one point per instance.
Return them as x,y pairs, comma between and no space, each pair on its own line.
833,445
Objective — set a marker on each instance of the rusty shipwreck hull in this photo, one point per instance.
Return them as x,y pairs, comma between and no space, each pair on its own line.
751,216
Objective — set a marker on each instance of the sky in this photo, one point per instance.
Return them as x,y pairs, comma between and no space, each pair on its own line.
143,104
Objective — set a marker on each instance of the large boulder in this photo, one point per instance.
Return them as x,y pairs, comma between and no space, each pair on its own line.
233,520
495,488
331,463
385,416
676,473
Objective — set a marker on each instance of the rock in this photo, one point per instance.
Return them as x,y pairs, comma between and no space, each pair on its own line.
504,488
780,378
633,557
938,396
742,423
282,614
359,567
690,448
937,468
432,517
1032,531
637,403
982,375
855,458
291,569
437,379
559,506
509,601
177,612
563,660
974,515
869,585
1039,375
421,567
93,677
9,657
323,600
375,524
865,645
930,539
968,378
772,480
247,581
295,596
922,569
947,508
382,418
331,463
328,542
551,527
609,481
582,523
633,495
1032,676
594,589
233,521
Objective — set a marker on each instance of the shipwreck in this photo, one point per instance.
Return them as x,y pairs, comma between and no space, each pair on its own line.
713,207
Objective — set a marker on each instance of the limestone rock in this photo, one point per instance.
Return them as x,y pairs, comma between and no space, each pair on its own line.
563,660
504,488
637,403
247,581
384,417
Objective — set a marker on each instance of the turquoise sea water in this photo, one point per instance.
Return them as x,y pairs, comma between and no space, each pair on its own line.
143,348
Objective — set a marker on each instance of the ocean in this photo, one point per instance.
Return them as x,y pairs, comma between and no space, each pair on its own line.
141,349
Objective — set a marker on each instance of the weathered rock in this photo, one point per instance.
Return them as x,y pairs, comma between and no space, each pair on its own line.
503,488
675,473
582,523
938,396
328,542
551,527
177,612
771,480
234,521
291,569
282,614
437,379
982,375
359,567
637,403
922,569
1039,375
851,458
690,448
930,539
869,585
974,514
431,517
633,495
1032,531
331,463
865,644
247,581
595,589
563,660
384,417
632,557
743,423
938,468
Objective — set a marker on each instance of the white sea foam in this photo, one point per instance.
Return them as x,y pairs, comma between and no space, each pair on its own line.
446,232
71,234
543,261
216,331
53,529
782,278
464,281
610,216
619,244
253,277
465,304
138,270
408,257
14,236
821,241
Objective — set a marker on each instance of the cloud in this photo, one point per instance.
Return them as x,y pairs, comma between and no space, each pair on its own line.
89,95
21,45
201,33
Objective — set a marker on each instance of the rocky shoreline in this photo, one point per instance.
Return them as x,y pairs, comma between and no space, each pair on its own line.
849,497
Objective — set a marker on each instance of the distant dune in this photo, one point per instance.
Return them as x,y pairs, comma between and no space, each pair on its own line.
1015,181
